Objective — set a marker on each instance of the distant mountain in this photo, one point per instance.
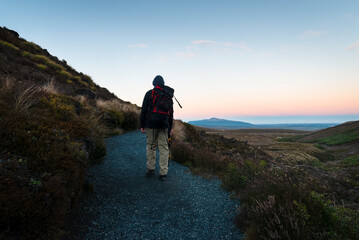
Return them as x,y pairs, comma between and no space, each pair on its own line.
218,123
221,123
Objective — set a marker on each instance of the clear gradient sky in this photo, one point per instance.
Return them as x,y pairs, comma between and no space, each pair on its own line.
295,60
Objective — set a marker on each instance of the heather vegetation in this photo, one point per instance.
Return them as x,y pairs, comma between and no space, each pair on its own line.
51,130
283,196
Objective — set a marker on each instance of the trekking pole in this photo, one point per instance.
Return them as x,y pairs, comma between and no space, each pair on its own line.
177,101
169,148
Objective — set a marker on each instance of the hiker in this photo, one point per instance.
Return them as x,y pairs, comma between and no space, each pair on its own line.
156,122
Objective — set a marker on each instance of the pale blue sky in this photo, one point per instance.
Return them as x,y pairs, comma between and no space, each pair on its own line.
230,59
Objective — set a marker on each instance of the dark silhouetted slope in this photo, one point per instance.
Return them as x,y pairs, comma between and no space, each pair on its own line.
25,60
53,121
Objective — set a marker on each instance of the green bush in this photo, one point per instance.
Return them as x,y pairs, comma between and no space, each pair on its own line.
233,179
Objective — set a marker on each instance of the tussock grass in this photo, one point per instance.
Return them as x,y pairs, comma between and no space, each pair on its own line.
179,130
19,98
50,87
83,100
119,115
117,105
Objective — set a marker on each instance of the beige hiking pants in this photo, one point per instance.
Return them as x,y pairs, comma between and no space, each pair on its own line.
157,138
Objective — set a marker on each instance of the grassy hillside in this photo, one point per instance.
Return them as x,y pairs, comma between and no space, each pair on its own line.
25,60
52,124
344,133
288,190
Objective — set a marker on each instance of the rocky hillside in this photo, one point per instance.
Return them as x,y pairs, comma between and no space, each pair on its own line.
53,121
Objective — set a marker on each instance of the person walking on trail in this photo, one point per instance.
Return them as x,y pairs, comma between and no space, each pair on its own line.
157,121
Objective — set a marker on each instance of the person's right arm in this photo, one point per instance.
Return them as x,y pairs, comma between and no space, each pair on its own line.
145,107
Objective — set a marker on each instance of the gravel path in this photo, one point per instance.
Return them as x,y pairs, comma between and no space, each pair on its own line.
125,204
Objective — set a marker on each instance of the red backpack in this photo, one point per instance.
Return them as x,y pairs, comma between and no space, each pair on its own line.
161,104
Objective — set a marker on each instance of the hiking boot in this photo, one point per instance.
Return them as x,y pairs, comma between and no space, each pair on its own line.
150,173
163,177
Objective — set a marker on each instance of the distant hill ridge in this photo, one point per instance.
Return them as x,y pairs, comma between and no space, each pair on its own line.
218,123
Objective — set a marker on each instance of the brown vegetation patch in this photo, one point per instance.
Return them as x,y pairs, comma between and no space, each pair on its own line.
288,190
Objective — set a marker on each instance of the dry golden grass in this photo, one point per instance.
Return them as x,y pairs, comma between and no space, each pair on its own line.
95,123
117,105
179,130
19,98
50,87
83,100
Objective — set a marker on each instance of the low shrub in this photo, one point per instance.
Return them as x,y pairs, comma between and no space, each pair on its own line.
181,153
119,115
233,179
131,120
199,159
113,118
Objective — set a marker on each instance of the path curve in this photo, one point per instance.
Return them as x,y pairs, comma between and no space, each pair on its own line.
125,204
